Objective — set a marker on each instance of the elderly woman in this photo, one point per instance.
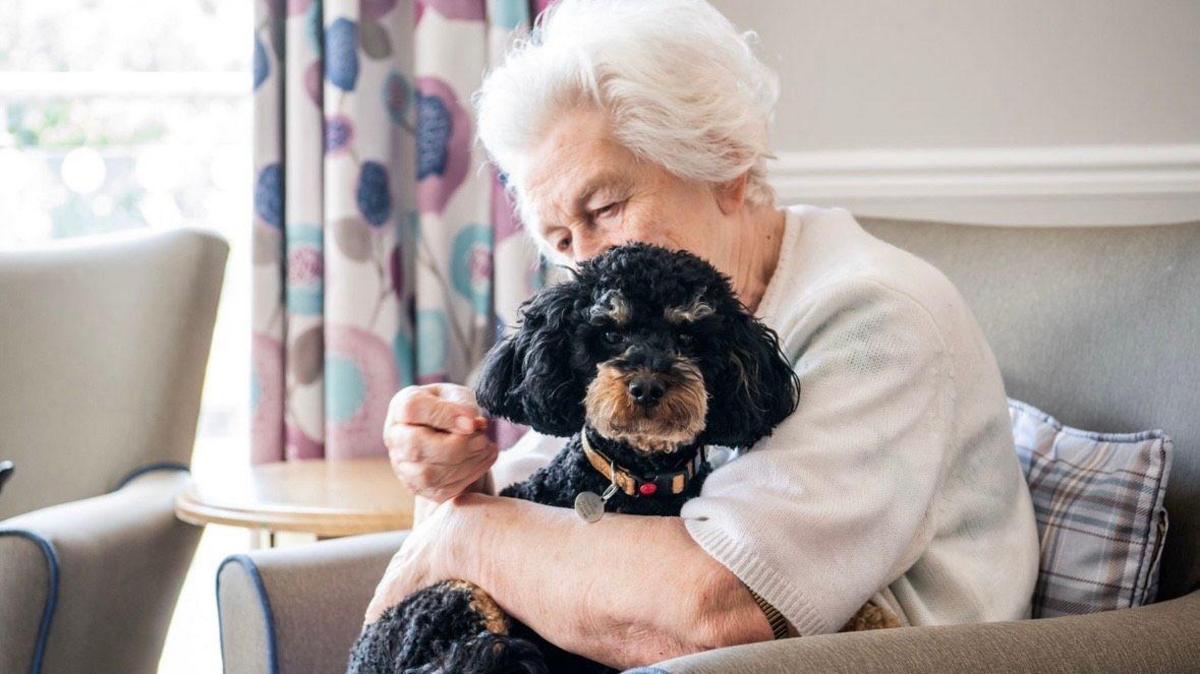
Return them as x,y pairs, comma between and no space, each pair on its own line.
894,482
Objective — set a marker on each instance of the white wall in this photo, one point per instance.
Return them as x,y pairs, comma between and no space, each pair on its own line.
1022,111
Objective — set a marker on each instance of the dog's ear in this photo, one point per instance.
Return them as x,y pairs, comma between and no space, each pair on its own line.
758,388
494,390
530,377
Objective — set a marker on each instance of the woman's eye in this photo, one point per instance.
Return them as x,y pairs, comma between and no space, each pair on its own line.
608,210
613,337
563,245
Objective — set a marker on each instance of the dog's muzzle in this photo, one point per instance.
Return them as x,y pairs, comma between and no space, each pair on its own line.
653,410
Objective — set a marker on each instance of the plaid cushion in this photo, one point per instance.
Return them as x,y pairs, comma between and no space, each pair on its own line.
1099,505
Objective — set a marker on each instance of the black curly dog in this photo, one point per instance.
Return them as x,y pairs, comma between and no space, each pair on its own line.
651,355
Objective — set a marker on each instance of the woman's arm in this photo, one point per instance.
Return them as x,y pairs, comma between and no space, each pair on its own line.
423,506
625,591
532,451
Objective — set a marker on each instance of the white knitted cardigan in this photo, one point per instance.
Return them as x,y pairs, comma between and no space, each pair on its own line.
895,479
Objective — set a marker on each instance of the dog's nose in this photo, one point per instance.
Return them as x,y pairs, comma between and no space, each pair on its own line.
646,391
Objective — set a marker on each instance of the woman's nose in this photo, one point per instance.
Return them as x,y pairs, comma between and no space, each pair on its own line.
587,247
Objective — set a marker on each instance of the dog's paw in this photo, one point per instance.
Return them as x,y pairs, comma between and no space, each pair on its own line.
872,617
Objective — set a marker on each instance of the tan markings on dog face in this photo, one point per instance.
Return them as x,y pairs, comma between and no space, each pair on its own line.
677,419
612,306
495,620
691,313
747,381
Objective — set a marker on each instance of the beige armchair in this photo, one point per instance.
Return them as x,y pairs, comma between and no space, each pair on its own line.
1100,326
103,348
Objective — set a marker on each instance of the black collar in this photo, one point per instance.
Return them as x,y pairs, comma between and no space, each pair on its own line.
637,485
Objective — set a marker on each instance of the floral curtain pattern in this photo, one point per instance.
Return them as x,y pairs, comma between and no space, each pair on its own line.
386,252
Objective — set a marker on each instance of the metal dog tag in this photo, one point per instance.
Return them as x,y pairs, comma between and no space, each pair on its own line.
589,506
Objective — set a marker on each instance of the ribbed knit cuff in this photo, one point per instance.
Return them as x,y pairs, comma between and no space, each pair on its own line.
765,582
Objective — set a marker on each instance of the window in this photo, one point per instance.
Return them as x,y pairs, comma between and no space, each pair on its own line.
118,114
122,114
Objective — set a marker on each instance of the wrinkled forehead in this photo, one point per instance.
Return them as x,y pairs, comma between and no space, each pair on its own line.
543,200
575,161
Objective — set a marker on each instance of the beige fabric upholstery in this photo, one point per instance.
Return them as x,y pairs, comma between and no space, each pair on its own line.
313,597
1158,639
247,623
25,585
105,342
120,558
1100,327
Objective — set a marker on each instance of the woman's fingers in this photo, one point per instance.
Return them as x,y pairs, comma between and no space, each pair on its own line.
435,441
458,479
435,464
455,393
384,599
421,444
440,406
424,478
387,592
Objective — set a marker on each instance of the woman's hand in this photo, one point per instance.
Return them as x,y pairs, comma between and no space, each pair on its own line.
435,435
427,556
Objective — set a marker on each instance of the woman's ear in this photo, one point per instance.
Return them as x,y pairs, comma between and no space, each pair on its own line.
528,378
731,196
759,389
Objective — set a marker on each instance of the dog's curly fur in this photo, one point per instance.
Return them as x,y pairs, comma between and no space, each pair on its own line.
638,313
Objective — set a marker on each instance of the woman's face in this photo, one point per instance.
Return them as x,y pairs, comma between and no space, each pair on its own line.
590,194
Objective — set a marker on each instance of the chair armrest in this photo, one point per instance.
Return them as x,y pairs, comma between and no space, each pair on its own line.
1162,637
299,609
90,585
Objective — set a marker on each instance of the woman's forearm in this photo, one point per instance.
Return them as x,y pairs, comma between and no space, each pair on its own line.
625,591
423,506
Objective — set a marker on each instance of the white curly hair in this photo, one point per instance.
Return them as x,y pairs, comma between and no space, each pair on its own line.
680,84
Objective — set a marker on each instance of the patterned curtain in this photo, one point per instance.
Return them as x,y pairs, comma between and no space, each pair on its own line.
385,250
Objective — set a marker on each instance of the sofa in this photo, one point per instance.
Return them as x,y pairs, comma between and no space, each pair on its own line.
1098,326
104,343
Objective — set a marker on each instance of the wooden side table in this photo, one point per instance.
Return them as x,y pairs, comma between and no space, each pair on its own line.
326,498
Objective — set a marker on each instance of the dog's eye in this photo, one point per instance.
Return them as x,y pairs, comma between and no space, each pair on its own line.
613,337
685,339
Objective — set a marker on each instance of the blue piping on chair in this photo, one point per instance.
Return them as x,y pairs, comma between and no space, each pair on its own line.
150,468
251,569
52,561
51,596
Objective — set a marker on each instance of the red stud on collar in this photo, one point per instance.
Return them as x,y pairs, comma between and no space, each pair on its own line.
648,489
